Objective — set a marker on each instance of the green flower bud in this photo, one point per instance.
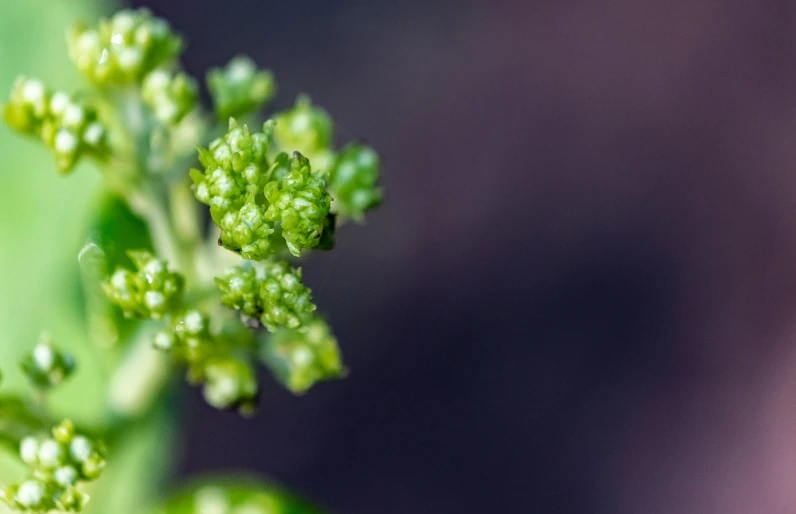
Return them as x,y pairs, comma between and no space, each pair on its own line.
301,358
57,465
270,291
353,181
306,129
69,127
46,366
229,383
235,173
301,203
187,338
170,95
151,292
240,88
124,48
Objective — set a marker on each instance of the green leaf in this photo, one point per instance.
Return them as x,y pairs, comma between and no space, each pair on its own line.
116,230
17,420
102,322
235,494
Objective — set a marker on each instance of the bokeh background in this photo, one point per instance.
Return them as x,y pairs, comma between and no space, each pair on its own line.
578,297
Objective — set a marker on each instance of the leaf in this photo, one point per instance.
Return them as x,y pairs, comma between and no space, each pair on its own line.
17,420
93,272
244,494
116,230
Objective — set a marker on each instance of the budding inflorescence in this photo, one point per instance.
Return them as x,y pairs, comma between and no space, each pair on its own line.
150,292
57,463
239,88
271,292
353,181
307,129
301,358
68,126
124,48
170,95
46,366
229,380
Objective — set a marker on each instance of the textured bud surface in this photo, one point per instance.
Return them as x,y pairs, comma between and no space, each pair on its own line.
271,292
301,203
150,292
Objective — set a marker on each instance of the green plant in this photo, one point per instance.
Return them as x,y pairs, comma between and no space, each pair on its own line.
153,275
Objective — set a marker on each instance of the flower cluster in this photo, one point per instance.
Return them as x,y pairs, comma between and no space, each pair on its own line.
170,95
151,292
229,381
124,48
270,292
58,463
68,126
306,129
301,358
235,173
46,366
301,203
353,181
239,88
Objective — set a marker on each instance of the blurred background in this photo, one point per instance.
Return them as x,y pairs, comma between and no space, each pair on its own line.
578,296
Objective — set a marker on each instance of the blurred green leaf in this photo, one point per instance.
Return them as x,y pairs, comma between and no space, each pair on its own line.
17,420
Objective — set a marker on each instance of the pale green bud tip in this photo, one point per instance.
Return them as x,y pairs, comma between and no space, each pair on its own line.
46,366
240,88
68,126
270,292
236,170
151,292
124,48
301,203
308,129
57,465
187,337
231,383
302,358
170,95
354,179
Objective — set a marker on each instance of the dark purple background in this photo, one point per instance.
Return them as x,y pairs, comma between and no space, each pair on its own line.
578,296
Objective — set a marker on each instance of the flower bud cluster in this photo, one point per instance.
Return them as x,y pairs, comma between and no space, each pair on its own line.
229,382
58,463
150,292
304,357
306,129
66,125
270,292
124,48
46,366
239,88
353,181
301,203
170,95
